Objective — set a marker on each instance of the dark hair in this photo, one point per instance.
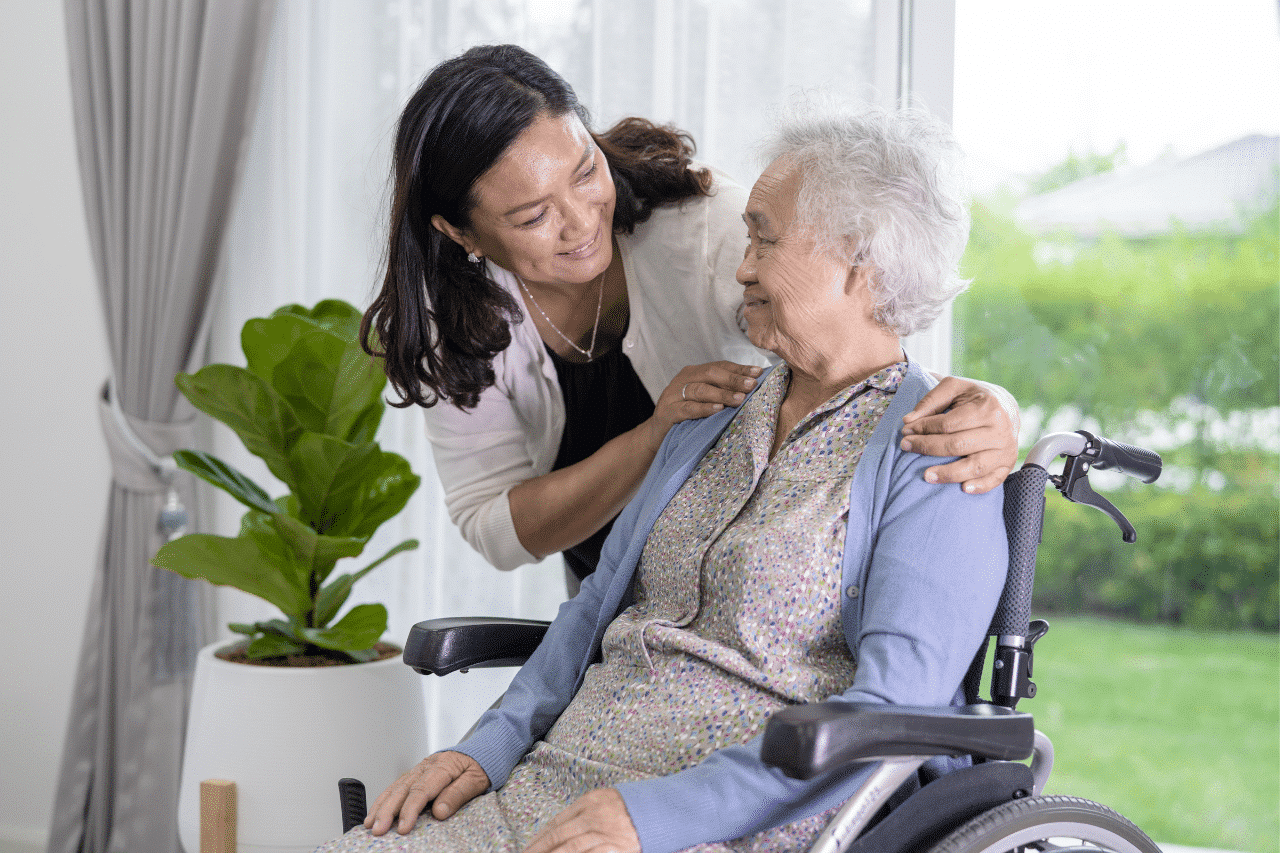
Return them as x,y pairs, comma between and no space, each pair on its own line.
439,319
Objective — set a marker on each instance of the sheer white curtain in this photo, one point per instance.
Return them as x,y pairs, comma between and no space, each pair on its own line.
308,224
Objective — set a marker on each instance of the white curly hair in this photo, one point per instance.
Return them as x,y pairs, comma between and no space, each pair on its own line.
882,187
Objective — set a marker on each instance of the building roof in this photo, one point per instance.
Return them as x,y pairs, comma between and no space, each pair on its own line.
1218,190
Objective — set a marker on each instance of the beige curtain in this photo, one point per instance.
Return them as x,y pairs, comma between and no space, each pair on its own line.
162,92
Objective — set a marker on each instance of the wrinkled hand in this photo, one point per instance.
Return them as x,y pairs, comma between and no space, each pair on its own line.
597,822
451,779
700,390
961,418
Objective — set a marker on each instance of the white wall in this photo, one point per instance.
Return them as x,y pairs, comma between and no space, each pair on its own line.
52,455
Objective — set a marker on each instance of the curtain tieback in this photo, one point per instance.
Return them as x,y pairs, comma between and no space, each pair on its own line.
142,457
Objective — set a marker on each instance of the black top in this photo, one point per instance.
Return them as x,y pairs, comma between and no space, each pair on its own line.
603,399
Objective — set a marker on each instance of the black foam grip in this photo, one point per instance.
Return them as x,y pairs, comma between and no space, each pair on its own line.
351,796
1023,521
1137,462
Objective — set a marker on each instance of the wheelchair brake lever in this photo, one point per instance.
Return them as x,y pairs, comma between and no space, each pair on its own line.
1073,482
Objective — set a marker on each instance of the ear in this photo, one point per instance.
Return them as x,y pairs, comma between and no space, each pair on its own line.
442,225
859,278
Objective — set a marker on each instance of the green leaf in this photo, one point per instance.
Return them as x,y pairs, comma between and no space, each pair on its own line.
349,490
332,385
242,628
360,628
281,628
270,646
224,476
266,341
330,478
406,545
248,405
238,563
383,495
281,555
315,551
339,317
333,596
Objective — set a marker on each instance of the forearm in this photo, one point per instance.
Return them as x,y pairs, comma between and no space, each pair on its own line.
558,510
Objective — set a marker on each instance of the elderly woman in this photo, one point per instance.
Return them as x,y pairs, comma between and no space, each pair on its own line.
785,551
555,299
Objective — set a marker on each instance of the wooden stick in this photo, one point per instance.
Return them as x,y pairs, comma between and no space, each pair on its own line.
217,816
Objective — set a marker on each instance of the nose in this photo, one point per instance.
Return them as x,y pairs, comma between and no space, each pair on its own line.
747,269
578,218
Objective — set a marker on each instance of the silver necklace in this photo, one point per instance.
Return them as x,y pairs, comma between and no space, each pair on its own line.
590,352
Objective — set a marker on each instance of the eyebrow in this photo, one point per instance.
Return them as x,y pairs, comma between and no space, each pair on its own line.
586,155
759,220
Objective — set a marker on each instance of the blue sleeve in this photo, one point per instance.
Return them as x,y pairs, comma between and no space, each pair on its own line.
936,567
547,682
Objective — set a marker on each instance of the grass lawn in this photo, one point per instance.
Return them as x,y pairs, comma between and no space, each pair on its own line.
1178,730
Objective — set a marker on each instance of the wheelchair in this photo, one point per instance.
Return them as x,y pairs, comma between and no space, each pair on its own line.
996,804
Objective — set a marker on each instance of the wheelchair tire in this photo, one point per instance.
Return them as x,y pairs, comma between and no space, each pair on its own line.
1048,824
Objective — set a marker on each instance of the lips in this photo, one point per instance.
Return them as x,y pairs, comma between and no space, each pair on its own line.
586,249
753,300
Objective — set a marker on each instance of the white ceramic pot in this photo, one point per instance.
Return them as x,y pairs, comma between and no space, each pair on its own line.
285,736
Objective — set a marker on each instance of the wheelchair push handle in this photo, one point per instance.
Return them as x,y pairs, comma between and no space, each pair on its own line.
1024,500
1137,462
1084,451
1101,453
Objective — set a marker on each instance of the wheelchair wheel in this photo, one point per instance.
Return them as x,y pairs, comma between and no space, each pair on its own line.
1048,824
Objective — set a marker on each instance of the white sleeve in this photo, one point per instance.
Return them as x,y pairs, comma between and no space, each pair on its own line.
480,455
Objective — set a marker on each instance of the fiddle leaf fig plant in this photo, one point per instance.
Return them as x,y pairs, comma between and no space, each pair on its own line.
308,404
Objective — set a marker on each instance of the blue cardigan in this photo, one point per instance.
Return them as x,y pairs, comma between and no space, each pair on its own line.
923,570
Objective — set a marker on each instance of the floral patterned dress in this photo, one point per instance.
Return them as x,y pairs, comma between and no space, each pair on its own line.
736,615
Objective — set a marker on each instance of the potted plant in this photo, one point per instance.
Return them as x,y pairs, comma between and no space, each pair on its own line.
326,700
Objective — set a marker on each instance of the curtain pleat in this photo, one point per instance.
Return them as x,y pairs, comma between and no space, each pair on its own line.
162,92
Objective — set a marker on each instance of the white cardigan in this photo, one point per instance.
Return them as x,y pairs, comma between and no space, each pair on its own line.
680,267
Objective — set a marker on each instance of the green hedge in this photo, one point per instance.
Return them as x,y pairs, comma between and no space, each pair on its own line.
1114,329
1125,325
1205,559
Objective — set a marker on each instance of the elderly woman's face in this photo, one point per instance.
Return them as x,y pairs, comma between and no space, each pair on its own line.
794,299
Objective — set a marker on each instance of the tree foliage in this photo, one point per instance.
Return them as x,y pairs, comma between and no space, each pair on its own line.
1078,166
1166,336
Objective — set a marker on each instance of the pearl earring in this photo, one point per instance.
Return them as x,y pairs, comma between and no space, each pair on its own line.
473,258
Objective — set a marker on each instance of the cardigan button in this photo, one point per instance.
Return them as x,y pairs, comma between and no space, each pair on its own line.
852,591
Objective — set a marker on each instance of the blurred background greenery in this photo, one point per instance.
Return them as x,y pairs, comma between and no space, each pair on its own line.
1171,342
1160,675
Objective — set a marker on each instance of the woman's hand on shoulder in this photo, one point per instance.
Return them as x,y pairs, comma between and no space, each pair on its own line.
450,779
701,390
596,821
962,418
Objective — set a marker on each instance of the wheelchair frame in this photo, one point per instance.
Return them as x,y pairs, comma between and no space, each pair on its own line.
994,806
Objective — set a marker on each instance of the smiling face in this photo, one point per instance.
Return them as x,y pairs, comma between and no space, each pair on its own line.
798,304
544,210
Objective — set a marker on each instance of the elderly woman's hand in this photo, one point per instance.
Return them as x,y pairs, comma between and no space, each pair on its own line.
451,779
700,390
597,821
961,418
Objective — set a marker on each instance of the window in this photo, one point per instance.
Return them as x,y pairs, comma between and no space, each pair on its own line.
1124,254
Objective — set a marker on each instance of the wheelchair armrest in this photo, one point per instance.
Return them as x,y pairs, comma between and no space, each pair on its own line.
441,646
807,740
